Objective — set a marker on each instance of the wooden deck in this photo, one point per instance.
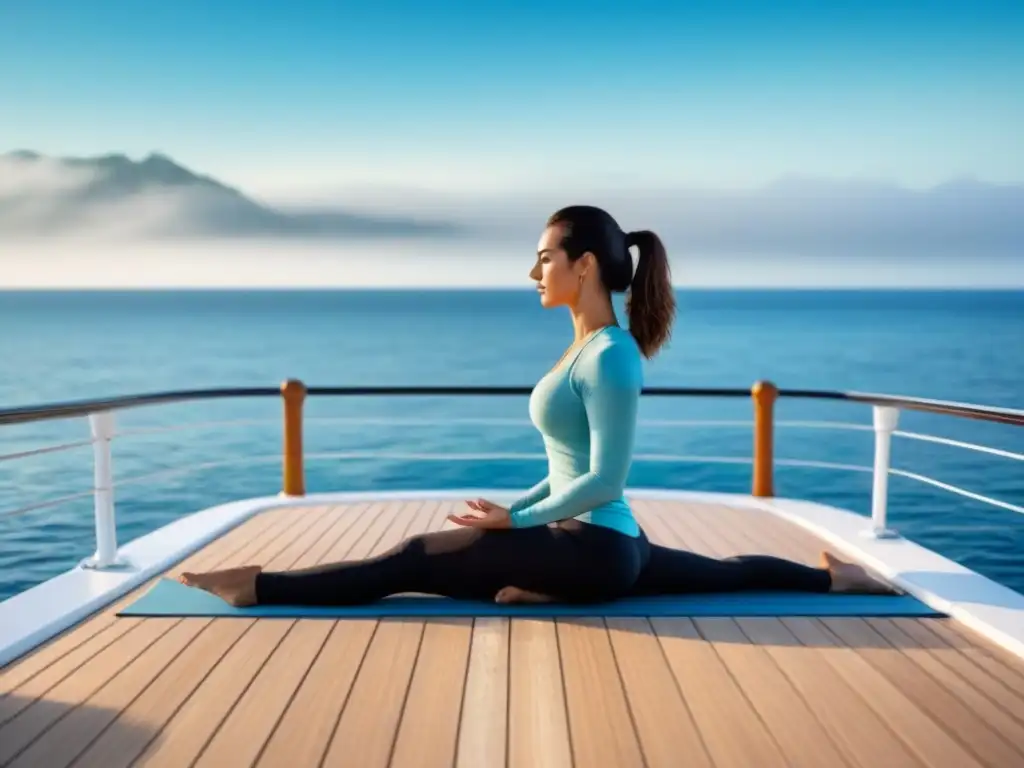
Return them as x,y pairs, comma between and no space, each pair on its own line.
486,693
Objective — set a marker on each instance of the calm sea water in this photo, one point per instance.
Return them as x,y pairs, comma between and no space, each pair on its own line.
966,346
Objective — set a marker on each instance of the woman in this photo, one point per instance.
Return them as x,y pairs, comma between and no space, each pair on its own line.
586,409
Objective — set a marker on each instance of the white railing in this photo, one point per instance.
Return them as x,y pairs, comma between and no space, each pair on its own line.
103,432
102,425
885,419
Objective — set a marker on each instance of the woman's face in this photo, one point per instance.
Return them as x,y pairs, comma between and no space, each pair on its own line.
558,279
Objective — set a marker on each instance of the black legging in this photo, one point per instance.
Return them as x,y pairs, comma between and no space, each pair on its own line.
570,562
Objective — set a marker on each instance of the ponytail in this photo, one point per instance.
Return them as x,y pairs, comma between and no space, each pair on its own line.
651,305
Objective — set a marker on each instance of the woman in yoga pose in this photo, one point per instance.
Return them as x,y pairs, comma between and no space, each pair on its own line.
572,537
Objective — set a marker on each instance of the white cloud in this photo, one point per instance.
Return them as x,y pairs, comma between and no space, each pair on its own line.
43,177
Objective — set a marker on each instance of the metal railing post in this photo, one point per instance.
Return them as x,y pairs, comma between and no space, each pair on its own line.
764,394
102,427
885,419
293,393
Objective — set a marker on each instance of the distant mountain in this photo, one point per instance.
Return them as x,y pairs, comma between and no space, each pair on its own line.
157,197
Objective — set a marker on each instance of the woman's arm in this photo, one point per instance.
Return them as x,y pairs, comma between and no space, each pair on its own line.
609,383
532,496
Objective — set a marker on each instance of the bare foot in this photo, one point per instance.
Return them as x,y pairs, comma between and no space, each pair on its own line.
235,586
517,595
850,577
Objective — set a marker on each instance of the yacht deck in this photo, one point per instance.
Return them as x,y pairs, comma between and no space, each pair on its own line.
522,693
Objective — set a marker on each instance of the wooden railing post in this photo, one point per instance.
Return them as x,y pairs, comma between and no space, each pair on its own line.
764,394
293,393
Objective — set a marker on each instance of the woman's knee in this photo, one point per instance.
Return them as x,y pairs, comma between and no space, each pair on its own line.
412,551
440,542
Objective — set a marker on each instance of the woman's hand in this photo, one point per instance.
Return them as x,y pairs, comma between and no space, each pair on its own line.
493,515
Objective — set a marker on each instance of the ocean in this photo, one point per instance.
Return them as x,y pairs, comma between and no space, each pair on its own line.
959,345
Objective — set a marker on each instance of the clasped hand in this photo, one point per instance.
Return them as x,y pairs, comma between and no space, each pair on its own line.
493,515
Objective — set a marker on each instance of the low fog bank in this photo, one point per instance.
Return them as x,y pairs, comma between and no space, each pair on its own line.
114,221
115,199
84,263
800,217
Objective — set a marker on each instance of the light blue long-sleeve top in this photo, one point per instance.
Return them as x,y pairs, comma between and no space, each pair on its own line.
586,411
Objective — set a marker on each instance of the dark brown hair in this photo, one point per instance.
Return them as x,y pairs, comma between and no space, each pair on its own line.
651,304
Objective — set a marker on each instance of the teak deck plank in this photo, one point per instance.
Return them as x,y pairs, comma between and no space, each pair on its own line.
483,726
538,724
497,692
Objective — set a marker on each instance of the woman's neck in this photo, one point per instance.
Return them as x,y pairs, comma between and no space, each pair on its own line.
590,316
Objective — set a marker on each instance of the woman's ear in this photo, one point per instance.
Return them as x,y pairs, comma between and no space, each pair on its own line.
586,264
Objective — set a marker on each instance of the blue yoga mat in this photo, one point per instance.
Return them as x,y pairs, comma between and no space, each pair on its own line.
172,598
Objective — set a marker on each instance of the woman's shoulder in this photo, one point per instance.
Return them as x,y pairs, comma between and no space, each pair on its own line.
612,357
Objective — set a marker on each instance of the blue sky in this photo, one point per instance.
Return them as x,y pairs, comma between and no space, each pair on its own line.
470,96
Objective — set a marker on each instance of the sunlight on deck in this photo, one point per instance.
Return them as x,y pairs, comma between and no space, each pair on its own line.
523,693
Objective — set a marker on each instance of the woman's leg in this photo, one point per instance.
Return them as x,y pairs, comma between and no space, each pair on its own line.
435,563
467,563
674,571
